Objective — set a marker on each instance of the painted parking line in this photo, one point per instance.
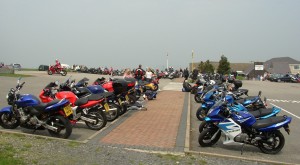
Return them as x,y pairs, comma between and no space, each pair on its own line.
283,101
285,111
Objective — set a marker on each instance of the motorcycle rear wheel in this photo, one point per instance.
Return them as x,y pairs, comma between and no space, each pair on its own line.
8,120
63,125
49,72
209,137
275,146
100,117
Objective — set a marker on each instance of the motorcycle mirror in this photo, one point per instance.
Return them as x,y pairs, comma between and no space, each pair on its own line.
259,93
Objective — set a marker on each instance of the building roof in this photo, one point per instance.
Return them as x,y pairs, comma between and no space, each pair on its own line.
279,64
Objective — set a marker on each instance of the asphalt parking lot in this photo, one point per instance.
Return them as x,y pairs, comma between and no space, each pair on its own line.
283,95
34,85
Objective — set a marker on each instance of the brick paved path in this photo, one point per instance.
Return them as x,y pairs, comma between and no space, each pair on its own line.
156,127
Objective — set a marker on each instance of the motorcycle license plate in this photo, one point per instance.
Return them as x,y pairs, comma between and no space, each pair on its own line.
68,110
106,107
127,98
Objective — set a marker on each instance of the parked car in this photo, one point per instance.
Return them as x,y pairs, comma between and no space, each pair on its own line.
16,66
275,77
43,67
287,78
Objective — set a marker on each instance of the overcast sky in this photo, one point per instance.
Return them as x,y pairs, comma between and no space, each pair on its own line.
125,33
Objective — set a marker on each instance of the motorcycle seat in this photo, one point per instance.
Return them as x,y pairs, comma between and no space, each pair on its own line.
81,101
106,94
43,106
95,97
144,83
261,112
268,122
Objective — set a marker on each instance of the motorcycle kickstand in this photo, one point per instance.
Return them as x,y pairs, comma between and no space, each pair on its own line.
242,149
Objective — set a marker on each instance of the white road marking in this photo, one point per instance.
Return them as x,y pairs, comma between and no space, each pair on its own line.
285,111
284,101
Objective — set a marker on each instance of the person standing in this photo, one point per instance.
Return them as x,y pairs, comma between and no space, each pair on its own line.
186,73
127,73
149,75
139,74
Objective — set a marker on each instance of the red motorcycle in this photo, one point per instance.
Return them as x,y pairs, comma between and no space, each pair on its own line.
89,109
57,70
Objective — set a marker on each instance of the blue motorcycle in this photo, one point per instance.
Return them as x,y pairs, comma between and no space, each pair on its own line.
209,98
242,127
27,111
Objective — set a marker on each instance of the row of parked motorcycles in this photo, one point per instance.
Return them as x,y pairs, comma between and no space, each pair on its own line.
226,109
62,105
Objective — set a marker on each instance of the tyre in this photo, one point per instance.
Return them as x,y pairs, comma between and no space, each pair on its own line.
132,99
197,98
8,120
155,87
202,126
123,108
49,72
100,116
111,115
63,72
209,137
201,113
63,125
273,143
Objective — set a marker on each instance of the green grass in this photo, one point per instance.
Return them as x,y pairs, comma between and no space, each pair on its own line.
14,75
74,144
7,153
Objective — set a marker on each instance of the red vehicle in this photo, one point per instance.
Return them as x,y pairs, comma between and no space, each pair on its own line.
54,70
89,109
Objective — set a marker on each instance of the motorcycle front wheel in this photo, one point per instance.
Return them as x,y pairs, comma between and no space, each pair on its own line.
197,98
100,118
201,113
63,125
273,143
209,137
8,120
113,113
63,72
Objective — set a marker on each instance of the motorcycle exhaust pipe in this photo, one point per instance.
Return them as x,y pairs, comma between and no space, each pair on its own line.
50,127
88,120
113,109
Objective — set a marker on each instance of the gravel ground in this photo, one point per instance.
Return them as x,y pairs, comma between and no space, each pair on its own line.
40,150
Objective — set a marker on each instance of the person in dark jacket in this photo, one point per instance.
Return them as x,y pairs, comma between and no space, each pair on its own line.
186,73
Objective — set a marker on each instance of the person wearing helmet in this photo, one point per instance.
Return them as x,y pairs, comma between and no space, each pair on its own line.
139,74
57,65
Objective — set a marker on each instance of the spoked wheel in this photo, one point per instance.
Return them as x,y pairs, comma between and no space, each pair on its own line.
201,113
197,98
49,72
63,126
209,137
113,113
273,143
100,118
8,120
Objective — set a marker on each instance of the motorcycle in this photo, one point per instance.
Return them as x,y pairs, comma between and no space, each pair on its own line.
243,128
53,70
82,89
27,111
89,109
